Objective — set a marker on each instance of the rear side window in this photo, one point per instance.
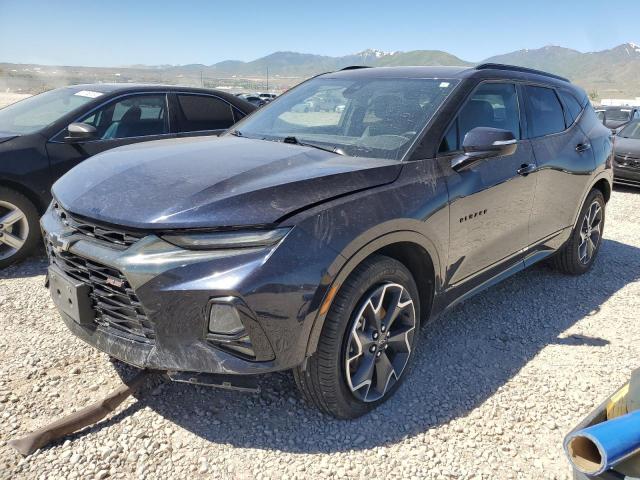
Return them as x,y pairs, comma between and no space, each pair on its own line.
573,106
201,113
544,111
491,105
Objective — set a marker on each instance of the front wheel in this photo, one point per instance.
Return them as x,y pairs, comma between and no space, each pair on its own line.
578,254
367,340
19,231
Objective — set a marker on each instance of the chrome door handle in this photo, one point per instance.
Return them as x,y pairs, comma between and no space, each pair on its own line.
526,168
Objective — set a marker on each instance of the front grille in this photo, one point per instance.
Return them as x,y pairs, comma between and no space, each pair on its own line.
110,235
115,303
628,161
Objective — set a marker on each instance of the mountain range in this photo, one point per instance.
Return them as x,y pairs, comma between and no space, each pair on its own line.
604,74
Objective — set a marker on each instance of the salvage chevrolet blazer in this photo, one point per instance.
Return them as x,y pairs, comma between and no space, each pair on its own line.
321,240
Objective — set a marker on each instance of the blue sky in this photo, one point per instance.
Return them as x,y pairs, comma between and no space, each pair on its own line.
118,33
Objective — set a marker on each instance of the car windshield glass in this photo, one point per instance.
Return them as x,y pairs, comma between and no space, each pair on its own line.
39,111
376,118
618,115
631,131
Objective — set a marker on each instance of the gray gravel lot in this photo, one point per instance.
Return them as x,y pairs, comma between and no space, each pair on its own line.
496,384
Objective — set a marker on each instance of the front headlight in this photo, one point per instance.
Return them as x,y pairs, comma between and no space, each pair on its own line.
227,240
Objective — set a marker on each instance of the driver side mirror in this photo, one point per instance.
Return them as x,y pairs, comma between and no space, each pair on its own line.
80,132
482,143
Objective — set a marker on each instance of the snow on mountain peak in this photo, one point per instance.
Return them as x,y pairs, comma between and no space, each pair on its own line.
373,52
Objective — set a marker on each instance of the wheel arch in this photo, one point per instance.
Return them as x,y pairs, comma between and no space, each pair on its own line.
32,196
412,249
605,187
602,182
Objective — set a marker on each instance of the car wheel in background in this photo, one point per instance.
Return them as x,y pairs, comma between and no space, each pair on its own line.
19,230
578,254
367,340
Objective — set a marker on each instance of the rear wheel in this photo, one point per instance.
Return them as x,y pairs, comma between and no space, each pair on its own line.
367,340
578,254
19,231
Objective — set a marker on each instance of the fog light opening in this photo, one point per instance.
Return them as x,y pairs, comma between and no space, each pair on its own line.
224,318
225,328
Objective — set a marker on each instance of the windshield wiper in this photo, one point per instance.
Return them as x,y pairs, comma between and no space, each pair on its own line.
295,141
236,133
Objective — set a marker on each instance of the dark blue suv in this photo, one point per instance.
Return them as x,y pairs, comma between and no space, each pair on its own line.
322,240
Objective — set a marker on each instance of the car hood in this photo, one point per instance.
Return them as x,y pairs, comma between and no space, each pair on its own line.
627,146
211,182
5,136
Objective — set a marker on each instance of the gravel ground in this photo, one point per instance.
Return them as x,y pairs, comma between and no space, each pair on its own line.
496,384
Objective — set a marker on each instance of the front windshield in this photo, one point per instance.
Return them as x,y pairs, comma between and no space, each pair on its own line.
35,113
618,114
631,131
375,117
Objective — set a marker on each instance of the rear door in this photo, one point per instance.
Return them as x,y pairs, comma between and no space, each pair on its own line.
564,156
129,119
490,201
201,114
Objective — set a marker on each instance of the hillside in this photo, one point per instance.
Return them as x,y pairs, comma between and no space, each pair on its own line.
608,73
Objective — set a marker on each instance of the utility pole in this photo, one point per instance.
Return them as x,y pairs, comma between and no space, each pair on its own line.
267,78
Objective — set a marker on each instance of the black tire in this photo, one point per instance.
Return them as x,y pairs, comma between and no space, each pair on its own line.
568,258
31,214
324,381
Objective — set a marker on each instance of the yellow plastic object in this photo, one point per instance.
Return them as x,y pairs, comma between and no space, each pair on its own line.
617,405
625,400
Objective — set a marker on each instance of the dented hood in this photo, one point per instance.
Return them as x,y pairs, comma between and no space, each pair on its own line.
210,182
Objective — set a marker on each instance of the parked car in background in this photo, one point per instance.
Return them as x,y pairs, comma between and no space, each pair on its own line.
43,136
321,243
254,100
267,96
617,117
626,165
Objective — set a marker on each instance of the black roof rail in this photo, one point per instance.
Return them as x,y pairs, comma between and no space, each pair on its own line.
353,67
514,68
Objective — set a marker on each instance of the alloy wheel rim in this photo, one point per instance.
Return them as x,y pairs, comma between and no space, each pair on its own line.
379,343
590,233
14,229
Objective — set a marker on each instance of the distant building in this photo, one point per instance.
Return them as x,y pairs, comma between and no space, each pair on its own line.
620,102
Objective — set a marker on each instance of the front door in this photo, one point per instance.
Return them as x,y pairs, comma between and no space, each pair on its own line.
132,119
490,201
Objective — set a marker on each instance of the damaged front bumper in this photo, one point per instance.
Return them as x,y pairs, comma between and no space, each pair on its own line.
150,303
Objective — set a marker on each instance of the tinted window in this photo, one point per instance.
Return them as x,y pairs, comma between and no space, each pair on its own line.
573,106
200,113
134,116
450,140
237,114
544,112
492,105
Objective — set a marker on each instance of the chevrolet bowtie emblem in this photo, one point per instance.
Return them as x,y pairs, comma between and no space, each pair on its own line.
60,242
